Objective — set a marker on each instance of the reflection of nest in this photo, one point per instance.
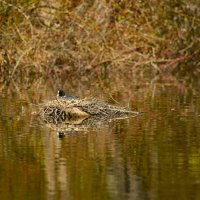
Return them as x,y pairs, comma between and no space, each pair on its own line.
80,114
53,114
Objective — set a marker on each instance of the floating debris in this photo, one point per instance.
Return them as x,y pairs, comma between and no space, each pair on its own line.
75,114
78,108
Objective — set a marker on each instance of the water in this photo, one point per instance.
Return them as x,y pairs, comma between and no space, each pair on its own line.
153,156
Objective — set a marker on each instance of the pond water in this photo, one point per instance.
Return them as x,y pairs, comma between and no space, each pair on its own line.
155,155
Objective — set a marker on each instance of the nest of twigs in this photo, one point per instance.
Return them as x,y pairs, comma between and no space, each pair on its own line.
60,110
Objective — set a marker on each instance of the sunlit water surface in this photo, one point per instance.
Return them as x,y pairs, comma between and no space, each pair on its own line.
155,155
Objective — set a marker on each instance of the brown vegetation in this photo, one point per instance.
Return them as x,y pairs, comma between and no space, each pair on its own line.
115,38
62,110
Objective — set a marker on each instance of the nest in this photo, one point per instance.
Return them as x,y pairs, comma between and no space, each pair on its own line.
64,110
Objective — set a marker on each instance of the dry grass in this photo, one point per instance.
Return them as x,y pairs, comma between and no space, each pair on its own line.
107,38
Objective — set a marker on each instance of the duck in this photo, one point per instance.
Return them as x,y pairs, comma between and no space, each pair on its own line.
61,94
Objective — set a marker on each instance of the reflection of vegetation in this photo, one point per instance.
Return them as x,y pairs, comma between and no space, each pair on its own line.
62,38
20,153
155,155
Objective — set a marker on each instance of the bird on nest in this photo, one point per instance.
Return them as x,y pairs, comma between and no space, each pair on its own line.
61,95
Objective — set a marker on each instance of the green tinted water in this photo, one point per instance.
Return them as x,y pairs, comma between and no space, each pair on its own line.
153,156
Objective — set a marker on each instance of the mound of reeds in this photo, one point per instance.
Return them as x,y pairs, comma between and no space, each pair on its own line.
60,110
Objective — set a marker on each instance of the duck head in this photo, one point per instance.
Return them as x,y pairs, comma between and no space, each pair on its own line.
60,93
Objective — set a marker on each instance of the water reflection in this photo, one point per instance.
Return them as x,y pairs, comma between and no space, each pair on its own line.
153,156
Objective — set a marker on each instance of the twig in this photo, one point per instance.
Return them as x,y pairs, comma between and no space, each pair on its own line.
18,61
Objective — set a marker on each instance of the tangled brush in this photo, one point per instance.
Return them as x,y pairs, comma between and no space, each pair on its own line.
60,110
